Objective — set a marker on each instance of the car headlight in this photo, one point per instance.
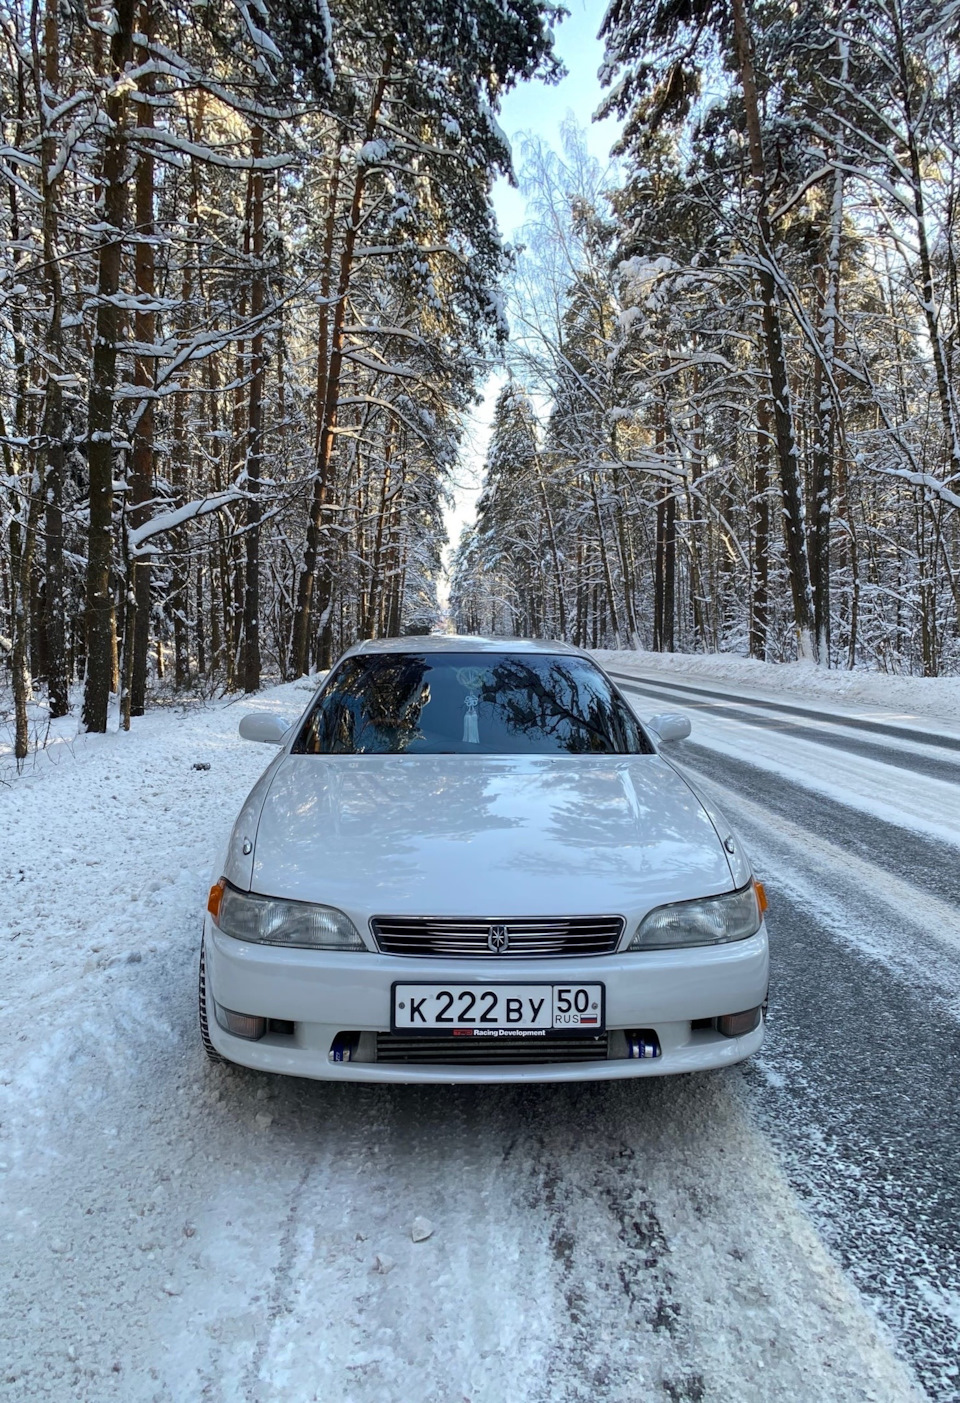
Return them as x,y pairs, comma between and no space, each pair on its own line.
269,921
712,921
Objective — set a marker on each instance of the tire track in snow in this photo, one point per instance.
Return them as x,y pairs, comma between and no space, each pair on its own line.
612,1209
686,1272
282,1286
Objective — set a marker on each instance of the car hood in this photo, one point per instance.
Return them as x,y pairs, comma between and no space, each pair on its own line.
485,835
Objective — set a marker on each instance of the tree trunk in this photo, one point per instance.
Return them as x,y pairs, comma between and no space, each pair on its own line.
664,590
99,598
579,632
372,613
308,573
251,597
221,631
669,571
54,420
785,438
761,535
826,409
21,630
21,546
178,594
554,551
694,509
605,561
136,633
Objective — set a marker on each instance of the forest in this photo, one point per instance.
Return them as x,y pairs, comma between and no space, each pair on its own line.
252,287
731,420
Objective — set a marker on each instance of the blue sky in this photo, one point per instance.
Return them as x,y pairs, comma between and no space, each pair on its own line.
538,109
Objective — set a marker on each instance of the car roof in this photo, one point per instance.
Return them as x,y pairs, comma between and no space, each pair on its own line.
461,643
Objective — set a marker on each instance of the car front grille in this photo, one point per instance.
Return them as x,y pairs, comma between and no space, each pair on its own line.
525,936
488,1052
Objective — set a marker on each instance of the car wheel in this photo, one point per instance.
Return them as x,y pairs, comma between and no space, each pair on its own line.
208,1046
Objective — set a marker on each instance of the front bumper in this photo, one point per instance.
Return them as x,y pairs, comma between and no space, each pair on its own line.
324,993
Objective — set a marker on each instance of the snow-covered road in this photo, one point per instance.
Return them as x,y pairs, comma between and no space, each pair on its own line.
853,822
175,1231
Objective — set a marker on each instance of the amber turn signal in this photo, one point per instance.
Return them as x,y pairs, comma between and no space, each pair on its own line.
215,898
735,1025
241,1025
761,896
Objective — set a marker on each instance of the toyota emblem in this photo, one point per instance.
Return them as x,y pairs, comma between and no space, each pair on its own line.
498,939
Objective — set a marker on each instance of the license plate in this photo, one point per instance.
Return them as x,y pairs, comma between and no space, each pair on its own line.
493,1010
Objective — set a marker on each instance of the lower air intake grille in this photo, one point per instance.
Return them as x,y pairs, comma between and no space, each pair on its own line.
489,1052
521,937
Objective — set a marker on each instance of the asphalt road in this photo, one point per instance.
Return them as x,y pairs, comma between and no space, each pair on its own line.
859,1082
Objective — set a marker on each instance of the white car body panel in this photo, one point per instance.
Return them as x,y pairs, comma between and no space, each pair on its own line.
443,835
740,868
496,837
326,992
237,865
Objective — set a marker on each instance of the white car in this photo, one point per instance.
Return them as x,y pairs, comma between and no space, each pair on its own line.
470,862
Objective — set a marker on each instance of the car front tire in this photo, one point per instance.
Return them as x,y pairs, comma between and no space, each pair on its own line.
208,1046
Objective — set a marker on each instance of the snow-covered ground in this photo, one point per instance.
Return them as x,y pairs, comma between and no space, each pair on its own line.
176,1231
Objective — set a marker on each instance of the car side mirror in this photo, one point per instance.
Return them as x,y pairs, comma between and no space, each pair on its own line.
670,725
259,725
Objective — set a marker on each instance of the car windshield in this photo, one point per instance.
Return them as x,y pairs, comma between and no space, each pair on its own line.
469,704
